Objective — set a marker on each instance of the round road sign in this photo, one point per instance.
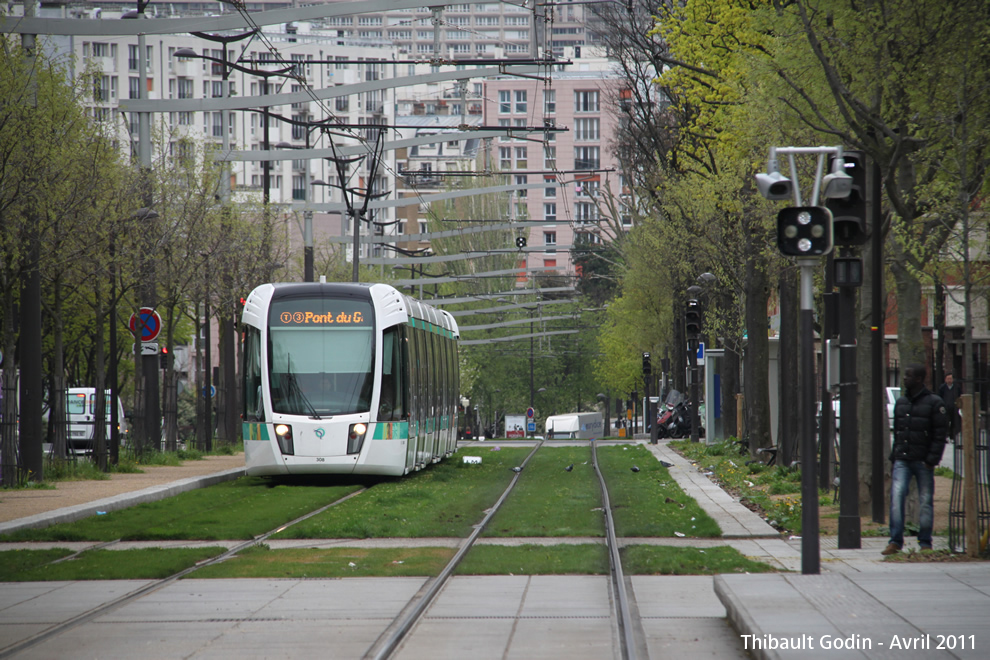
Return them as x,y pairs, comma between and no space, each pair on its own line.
146,324
530,413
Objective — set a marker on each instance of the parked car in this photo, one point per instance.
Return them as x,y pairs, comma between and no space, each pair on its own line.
892,394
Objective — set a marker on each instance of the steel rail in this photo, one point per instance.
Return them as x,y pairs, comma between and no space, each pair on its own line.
622,611
389,640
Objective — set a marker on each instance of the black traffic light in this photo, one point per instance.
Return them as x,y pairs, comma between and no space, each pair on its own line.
520,242
849,213
647,367
163,357
804,231
692,317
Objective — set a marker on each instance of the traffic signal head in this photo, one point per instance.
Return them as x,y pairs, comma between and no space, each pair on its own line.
163,357
849,210
692,317
804,231
647,367
520,242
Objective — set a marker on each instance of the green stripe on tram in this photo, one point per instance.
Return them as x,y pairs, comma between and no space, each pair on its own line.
254,431
391,430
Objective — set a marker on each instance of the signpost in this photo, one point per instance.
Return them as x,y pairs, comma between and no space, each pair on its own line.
146,324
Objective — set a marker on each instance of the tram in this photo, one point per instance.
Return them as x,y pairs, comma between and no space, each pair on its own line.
346,379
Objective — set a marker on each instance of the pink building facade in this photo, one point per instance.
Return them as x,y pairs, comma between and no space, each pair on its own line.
571,172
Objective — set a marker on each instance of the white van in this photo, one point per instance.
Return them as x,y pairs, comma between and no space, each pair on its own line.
80,413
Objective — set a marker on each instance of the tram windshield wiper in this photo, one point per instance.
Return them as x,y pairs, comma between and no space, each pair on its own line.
296,389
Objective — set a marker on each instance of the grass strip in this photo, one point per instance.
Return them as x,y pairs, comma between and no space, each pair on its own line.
16,562
447,499
262,562
239,509
753,482
531,559
648,502
667,560
137,564
550,501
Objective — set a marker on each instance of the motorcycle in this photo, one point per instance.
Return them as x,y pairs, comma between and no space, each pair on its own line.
674,417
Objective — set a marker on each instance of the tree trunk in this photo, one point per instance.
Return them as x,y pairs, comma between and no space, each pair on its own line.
910,347
756,384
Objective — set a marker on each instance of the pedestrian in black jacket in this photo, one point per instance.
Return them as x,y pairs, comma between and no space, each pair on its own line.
920,428
949,392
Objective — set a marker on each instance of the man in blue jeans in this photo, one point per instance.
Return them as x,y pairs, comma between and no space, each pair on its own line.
920,428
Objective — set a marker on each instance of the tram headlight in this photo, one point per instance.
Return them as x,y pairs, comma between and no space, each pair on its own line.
355,437
284,434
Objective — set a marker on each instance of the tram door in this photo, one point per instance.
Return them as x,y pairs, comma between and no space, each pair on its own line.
412,357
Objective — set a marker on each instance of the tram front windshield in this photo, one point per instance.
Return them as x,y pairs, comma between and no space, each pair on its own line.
321,356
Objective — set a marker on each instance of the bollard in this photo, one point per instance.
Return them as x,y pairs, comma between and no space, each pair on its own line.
970,477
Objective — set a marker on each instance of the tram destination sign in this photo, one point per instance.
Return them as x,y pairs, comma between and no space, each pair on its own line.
321,313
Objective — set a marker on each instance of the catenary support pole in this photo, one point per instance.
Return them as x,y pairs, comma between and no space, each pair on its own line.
849,523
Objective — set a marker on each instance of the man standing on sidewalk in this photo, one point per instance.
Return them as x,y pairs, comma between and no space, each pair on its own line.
949,392
920,428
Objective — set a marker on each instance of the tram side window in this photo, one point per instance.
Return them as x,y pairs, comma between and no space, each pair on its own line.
391,406
254,409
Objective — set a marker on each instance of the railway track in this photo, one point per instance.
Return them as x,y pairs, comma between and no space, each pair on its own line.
628,639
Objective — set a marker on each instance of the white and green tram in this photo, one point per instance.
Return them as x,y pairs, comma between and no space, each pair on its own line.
346,379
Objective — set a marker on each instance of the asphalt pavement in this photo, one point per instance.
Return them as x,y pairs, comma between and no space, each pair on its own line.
858,606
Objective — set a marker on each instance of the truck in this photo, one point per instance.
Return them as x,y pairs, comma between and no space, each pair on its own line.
575,425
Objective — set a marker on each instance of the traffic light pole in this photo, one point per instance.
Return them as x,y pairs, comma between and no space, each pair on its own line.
810,551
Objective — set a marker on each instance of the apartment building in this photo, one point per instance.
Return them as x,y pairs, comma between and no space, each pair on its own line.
573,171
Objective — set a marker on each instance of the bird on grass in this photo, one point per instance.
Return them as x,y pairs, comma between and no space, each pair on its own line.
569,467
635,468
517,469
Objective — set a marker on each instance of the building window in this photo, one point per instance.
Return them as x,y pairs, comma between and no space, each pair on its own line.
587,189
550,263
504,101
521,180
299,187
549,101
551,189
586,101
550,211
587,129
586,158
505,158
521,160
185,90
585,212
521,101
550,238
